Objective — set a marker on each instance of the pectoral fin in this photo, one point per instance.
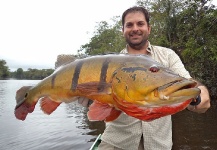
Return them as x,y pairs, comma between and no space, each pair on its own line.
100,111
48,106
94,88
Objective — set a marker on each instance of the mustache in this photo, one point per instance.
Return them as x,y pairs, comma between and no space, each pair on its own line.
135,33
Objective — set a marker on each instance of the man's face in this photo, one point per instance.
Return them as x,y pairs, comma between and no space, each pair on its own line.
136,30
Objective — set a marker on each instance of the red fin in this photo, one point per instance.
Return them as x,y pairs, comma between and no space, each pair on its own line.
22,111
48,106
99,111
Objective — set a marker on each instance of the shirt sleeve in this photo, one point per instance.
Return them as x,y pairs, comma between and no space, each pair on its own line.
177,66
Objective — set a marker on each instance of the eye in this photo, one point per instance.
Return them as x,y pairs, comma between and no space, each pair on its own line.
154,68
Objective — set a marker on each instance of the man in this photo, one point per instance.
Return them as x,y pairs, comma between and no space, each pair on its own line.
128,133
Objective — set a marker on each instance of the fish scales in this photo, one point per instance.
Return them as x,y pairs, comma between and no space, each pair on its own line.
134,84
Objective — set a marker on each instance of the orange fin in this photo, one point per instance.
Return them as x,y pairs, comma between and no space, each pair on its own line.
93,88
100,111
48,106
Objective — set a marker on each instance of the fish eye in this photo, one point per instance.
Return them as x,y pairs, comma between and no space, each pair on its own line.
154,68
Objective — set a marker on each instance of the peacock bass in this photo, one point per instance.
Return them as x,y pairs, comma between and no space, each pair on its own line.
134,84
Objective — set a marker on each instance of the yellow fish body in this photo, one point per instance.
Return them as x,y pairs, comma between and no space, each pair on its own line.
134,84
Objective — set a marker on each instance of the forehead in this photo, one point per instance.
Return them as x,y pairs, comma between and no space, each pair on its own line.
134,17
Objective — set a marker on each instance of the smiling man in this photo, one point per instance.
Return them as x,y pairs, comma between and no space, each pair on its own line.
128,133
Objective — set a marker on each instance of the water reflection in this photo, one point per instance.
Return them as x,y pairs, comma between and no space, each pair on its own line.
192,131
79,112
65,128
2,96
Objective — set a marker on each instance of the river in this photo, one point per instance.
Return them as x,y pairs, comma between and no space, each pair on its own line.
68,128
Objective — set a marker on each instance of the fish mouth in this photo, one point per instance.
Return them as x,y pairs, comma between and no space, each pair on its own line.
178,91
19,103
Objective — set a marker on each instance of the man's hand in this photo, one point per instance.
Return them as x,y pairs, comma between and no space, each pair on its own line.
205,101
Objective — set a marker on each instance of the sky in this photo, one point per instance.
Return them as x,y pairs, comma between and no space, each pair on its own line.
34,32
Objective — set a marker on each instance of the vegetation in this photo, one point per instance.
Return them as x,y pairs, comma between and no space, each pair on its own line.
4,71
33,74
107,38
186,26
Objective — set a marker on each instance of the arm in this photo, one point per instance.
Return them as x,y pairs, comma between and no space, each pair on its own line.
205,100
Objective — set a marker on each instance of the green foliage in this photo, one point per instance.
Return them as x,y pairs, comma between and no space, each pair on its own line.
19,74
4,71
199,38
107,38
31,74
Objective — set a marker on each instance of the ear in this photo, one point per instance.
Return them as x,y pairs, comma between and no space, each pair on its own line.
149,29
122,31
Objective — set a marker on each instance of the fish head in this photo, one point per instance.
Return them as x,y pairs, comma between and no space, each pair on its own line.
25,102
151,85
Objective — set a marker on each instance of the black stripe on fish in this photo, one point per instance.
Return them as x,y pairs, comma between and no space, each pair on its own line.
103,74
76,75
53,80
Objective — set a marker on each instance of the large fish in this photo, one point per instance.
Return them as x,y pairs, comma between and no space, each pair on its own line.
134,84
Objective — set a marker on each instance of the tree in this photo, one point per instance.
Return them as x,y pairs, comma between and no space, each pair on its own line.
107,38
19,73
4,71
199,23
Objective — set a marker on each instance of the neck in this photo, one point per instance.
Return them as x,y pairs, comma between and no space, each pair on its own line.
142,50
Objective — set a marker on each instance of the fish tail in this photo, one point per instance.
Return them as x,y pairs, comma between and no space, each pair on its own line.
22,109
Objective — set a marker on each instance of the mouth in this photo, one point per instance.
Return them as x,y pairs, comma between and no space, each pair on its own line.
177,88
135,35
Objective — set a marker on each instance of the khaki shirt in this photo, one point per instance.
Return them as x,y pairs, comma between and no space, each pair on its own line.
125,132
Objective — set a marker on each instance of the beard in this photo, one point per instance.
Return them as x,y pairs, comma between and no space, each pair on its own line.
137,45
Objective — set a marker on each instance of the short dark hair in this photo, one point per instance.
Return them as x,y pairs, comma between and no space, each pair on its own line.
136,9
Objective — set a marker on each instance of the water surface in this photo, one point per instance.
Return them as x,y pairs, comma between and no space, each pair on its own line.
68,128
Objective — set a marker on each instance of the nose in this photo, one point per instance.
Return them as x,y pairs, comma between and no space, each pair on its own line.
135,27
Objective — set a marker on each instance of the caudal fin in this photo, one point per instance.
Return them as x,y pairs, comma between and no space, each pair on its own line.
22,109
